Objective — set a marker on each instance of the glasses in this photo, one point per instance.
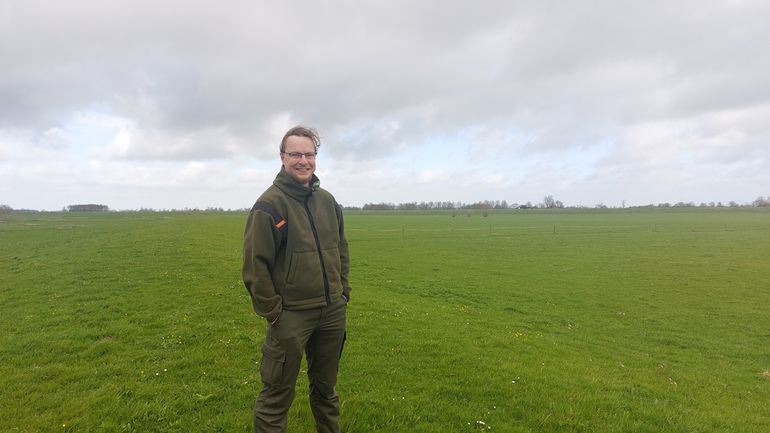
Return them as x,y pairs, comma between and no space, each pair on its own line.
298,155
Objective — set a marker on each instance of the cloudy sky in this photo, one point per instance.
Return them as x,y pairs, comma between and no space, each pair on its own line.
174,104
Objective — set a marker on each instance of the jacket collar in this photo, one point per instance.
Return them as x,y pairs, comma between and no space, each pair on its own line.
294,189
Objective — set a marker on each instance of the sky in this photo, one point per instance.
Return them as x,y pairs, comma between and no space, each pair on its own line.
182,104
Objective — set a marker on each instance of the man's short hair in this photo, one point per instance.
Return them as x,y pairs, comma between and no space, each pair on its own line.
302,131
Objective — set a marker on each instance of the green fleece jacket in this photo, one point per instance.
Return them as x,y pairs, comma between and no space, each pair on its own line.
306,268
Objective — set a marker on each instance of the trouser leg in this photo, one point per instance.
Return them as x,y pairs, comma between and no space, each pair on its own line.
323,356
281,359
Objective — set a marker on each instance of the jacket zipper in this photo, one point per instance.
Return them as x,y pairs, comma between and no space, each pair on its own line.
320,254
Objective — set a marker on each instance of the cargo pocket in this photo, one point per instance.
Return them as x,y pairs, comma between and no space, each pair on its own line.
272,366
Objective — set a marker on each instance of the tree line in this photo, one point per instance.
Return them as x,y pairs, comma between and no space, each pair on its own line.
548,203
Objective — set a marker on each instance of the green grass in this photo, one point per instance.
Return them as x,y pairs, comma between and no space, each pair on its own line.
523,321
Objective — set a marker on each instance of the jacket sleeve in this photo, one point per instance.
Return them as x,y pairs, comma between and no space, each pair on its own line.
344,255
261,241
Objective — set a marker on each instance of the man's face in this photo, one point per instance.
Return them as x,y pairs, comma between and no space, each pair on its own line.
300,169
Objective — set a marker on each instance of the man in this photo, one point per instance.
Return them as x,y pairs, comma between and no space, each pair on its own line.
295,267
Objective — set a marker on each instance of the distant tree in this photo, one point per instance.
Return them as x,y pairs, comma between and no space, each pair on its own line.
761,202
4,208
379,206
480,205
550,203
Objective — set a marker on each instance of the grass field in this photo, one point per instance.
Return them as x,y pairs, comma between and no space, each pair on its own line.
523,321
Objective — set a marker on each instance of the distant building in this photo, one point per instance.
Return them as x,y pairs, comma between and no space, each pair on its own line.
87,208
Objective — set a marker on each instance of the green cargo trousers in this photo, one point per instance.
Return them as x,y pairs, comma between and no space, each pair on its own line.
320,333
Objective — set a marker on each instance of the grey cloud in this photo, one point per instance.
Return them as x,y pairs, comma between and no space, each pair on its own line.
376,77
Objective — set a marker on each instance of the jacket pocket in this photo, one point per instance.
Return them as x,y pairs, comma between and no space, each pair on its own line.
304,279
333,268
